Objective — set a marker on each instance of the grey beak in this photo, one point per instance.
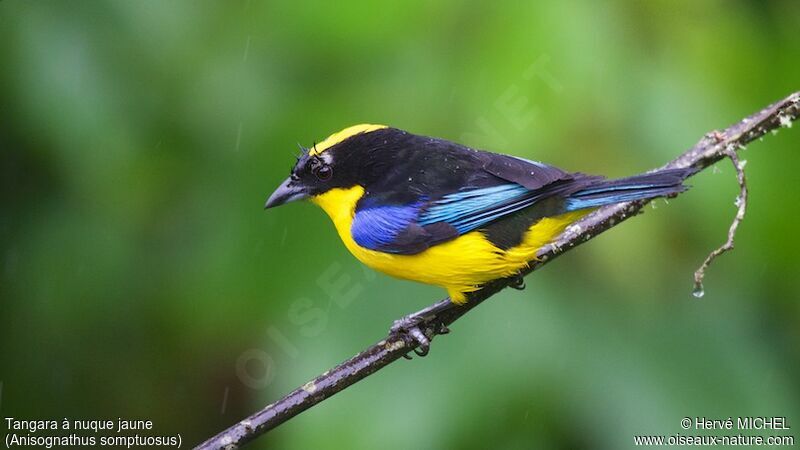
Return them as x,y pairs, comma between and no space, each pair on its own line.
287,192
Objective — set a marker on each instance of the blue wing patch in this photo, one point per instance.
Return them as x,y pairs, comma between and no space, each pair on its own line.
377,227
471,209
409,229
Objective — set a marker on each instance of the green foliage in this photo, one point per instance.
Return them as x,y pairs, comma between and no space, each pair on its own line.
139,140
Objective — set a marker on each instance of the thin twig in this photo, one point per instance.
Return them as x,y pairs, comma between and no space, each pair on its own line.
741,206
709,150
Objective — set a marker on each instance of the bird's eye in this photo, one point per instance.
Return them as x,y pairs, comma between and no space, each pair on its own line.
323,172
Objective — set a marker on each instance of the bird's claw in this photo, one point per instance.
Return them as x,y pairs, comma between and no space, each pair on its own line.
423,343
517,283
419,328
416,330
414,335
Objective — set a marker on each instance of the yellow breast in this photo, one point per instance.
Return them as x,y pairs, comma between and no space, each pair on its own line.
461,265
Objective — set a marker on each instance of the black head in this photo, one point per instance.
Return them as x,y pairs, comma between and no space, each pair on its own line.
342,160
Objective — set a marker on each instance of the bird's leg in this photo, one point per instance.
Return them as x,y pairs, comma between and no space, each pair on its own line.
517,282
417,327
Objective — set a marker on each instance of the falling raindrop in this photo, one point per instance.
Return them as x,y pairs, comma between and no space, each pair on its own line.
698,291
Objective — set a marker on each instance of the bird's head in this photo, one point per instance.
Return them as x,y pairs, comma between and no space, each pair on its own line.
335,163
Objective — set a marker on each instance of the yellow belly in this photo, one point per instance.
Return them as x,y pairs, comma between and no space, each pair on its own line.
461,265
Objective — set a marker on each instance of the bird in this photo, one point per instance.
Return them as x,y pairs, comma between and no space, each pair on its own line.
437,212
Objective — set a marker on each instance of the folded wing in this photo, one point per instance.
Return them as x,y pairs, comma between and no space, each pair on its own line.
502,185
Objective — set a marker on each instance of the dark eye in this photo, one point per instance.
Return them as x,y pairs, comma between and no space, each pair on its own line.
323,172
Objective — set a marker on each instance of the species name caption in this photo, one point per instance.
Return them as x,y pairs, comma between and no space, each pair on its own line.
86,433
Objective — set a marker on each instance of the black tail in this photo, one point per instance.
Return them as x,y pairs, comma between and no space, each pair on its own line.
649,185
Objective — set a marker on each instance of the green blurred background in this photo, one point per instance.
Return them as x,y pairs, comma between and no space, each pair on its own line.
141,278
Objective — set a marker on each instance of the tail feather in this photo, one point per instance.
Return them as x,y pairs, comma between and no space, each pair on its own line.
638,187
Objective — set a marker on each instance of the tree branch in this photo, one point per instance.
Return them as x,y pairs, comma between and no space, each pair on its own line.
711,148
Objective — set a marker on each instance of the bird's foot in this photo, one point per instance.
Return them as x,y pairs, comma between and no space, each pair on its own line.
419,328
517,283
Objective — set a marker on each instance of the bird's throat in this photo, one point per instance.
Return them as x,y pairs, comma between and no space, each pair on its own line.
340,204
